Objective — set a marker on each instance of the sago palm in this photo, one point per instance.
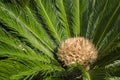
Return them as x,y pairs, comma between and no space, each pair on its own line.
59,39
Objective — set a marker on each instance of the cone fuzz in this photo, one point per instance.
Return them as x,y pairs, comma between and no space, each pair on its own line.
77,50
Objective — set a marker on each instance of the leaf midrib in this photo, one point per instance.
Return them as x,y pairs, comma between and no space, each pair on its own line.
106,27
49,21
22,23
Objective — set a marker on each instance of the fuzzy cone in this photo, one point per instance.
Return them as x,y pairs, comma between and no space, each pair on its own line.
77,50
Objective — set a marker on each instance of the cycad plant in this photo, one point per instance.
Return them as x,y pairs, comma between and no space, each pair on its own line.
59,39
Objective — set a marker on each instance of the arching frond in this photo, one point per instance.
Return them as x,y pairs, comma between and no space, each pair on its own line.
32,30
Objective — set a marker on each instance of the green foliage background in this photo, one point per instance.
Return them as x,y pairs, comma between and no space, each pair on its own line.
31,30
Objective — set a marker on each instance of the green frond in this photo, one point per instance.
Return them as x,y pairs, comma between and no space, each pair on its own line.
62,16
47,20
12,21
111,54
113,78
24,68
97,74
113,68
107,16
32,30
22,3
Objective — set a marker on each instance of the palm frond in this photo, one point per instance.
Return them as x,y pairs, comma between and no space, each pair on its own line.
112,53
31,30
47,19
107,32
105,22
98,74
21,61
24,68
59,4
113,78
113,68
12,20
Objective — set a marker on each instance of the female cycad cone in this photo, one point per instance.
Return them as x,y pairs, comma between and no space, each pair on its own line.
77,50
